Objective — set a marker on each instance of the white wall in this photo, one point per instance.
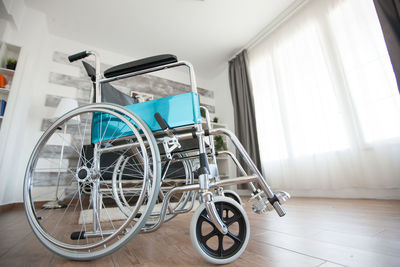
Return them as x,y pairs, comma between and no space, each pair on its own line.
224,109
21,127
17,134
223,100
3,25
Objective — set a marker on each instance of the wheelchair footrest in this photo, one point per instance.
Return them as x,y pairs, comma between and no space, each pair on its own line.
264,205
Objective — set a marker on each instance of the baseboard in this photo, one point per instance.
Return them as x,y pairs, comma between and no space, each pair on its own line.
359,193
338,193
12,206
320,193
243,192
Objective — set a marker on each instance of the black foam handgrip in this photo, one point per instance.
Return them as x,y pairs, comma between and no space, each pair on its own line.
77,56
78,235
160,121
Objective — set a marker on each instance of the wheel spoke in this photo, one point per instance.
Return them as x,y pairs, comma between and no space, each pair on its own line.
221,209
233,219
214,232
206,219
65,211
234,238
220,244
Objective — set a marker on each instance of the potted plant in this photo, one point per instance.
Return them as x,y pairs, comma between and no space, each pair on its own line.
219,143
11,63
202,113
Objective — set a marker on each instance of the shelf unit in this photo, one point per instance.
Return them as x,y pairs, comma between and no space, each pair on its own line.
7,51
4,90
223,161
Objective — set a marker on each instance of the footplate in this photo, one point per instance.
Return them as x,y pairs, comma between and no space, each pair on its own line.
264,204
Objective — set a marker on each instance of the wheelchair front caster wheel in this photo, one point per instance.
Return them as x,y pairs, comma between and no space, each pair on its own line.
233,195
211,244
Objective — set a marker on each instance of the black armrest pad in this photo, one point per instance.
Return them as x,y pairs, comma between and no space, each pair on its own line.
141,64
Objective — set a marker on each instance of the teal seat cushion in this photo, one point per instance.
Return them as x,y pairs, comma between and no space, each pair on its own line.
177,111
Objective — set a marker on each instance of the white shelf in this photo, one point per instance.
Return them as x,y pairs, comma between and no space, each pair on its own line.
219,125
223,161
214,124
9,75
7,71
4,90
7,51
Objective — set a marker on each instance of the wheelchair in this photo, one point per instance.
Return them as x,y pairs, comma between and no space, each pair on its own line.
126,167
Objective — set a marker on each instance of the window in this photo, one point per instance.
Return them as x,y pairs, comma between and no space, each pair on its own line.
367,69
323,82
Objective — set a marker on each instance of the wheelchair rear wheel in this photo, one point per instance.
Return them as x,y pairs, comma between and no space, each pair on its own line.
71,166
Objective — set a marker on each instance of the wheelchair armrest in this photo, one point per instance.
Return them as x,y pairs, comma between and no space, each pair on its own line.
141,64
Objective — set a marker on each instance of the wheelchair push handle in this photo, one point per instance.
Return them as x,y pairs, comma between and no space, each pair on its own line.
78,56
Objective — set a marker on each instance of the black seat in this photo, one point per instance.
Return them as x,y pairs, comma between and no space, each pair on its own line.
141,64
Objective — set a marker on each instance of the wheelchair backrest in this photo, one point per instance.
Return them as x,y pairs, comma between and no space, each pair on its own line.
109,94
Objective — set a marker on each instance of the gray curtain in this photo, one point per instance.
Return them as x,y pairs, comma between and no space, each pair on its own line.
243,106
389,17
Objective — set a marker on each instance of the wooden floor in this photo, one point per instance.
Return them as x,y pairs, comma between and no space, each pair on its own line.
315,232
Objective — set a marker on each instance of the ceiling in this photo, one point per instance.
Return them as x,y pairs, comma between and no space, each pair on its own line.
206,33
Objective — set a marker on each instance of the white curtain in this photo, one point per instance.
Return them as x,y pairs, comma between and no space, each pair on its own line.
327,105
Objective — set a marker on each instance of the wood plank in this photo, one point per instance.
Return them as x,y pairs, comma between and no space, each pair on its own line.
331,252
315,232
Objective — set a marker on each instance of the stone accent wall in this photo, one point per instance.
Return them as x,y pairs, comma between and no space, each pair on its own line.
150,84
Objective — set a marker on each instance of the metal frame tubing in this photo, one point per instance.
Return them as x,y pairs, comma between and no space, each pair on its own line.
238,165
192,187
211,138
261,180
239,147
204,178
172,65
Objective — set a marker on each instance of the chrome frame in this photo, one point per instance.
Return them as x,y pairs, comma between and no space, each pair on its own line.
204,184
